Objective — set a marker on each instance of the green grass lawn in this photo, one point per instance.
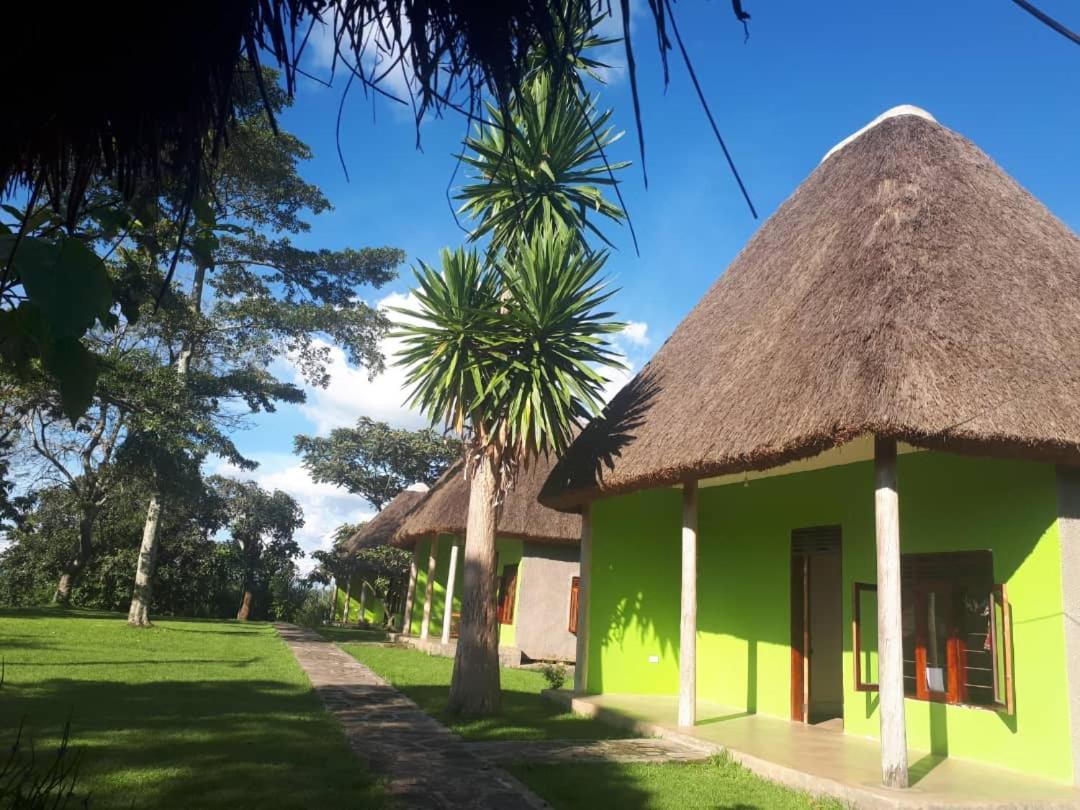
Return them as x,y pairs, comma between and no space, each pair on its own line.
715,783
525,714
187,714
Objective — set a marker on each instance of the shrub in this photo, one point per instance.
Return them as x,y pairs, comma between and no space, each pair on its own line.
316,609
554,674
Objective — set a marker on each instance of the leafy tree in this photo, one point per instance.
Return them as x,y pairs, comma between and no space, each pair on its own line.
506,349
261,525
255,296
385,568
376,461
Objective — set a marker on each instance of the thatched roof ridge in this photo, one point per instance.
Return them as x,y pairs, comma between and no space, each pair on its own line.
446,507
908,288
381,529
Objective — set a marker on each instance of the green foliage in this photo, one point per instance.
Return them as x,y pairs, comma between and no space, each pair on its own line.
511,348
376,461
511,351
554,674
197,575
541,162
185,714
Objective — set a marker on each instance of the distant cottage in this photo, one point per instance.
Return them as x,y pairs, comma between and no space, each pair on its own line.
845,491
537,567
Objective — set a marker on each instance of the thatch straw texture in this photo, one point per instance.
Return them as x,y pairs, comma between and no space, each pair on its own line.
446,508
908,288
381,529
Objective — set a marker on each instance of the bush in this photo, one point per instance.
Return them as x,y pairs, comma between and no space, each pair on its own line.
316,609
554,674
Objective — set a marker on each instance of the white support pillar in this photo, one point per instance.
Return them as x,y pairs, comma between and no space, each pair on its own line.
581,663
410,594
894,764
688,612
363,600
451,577
429,593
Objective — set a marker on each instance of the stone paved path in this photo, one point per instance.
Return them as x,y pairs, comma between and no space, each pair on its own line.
650,750
425,764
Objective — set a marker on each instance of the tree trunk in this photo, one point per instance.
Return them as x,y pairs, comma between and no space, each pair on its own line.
141,597
245,606
348,600
139,612
63,589
86,547
474,688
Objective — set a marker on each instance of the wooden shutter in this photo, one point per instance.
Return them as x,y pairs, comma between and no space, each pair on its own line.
1001,649
508,594
864,636
575,586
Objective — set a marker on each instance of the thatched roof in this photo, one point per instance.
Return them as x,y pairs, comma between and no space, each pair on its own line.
381,529
446,507
908,288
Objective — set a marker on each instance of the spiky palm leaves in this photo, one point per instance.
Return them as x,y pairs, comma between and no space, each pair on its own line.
512,350
541,161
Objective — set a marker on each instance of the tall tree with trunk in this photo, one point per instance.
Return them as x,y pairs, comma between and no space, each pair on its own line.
376,461
261,524
508,350
255,297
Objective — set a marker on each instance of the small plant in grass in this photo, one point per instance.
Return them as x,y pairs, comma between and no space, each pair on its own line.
554,674
26,786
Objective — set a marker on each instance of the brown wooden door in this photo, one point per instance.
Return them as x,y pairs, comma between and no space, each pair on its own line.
800,641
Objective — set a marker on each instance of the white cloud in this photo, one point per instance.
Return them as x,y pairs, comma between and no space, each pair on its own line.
325,507
378,54
351,394
636,333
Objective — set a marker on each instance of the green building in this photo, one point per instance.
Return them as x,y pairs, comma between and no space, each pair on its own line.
838,511
537,568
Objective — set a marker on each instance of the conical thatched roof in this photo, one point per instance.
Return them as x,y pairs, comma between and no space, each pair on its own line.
446,507
381,529
908,288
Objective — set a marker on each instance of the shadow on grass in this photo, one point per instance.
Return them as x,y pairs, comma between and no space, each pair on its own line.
181,744
352,634
717,783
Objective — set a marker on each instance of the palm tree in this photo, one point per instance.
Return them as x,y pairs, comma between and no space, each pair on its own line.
508,349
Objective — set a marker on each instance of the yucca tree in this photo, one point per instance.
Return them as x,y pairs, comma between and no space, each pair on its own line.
543,159
510,354
508,346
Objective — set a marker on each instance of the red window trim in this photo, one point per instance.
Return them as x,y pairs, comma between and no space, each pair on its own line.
575,595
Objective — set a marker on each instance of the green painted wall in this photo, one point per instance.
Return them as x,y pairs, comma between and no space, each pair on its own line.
946,503
509,551
374,610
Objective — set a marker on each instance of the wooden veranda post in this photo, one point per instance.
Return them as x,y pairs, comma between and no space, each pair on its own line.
410,594
448,610
894,765
581,663
429,592
688,613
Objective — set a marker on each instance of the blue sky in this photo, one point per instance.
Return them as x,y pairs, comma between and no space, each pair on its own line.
810,74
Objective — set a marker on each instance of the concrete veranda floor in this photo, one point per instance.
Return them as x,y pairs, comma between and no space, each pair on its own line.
826,761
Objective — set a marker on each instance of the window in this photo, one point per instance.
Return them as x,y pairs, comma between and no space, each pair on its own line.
957,638
507,594
575,587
